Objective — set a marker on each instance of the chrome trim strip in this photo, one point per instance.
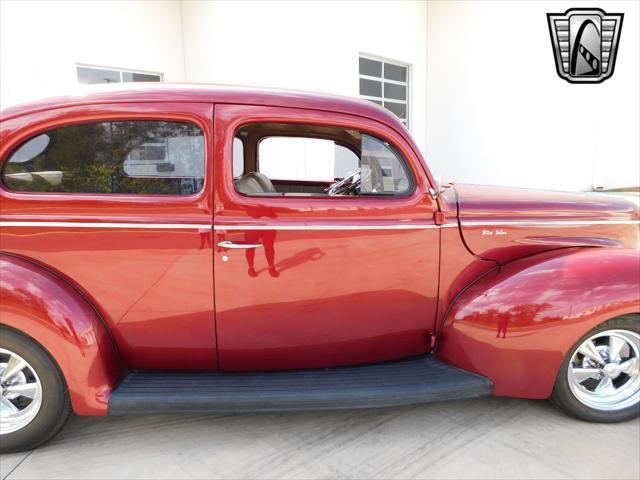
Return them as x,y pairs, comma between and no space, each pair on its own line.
165,226
205,226
535,223
190,226
325,227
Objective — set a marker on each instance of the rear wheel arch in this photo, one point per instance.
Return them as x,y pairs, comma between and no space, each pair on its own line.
48,309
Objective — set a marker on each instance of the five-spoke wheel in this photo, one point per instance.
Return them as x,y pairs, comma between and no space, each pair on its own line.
20,392
34,403
604,372
600,378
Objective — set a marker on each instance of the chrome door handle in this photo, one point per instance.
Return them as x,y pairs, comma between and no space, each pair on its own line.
231,245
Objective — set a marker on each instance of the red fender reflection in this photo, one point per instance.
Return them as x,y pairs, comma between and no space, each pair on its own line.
47,309
516,324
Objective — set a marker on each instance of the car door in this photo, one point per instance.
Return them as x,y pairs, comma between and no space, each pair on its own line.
308,280
117,198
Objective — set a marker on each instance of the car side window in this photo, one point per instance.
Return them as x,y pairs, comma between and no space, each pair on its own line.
302,160
127,157
305,159
238,157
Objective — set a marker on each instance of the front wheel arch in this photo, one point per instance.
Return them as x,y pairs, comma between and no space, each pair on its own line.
516,324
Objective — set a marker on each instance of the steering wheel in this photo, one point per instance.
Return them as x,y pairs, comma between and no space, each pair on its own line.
346,185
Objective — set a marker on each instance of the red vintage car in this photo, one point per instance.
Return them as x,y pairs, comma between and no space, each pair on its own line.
215,249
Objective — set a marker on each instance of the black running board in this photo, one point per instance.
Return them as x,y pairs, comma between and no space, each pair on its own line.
405,382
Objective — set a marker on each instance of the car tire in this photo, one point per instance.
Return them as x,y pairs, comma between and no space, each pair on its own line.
610,388
29,420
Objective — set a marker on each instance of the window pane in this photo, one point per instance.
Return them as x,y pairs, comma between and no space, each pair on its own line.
318,161
97,75
238,157
398,92
370,88
298,158
346,162
400,109
139,77
382,170
369,67
141,157
395,72
379,92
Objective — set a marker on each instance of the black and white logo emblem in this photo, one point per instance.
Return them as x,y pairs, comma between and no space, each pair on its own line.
585,42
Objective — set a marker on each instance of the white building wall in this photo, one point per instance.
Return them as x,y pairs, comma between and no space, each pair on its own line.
310,45
498,113
42,41
486,103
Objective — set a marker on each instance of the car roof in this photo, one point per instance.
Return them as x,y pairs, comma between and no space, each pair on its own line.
168,92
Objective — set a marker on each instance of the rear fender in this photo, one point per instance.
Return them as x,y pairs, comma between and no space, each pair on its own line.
516,324
46,308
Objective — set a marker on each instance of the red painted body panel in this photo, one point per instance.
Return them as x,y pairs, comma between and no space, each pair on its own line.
44,307
462,268
554,216
341,297
153,287
516,324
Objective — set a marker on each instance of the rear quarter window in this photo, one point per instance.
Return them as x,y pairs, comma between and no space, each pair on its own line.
126,157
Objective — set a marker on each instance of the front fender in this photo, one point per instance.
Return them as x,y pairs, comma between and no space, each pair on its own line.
516,324
44,307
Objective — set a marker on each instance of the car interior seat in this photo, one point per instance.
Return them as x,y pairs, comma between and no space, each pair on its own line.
254,183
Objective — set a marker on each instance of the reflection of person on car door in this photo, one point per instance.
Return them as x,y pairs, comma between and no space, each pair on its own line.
205,240
267,239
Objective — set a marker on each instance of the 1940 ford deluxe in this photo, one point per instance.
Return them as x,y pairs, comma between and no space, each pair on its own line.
212,249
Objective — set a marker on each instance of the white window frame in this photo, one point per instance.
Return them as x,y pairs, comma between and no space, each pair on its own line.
407,84
120,71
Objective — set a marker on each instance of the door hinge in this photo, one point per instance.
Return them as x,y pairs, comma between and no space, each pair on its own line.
439,218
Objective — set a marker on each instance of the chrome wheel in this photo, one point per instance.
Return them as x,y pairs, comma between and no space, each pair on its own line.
604,371
20,392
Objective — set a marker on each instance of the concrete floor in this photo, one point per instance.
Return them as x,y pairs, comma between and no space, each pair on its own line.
487,438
